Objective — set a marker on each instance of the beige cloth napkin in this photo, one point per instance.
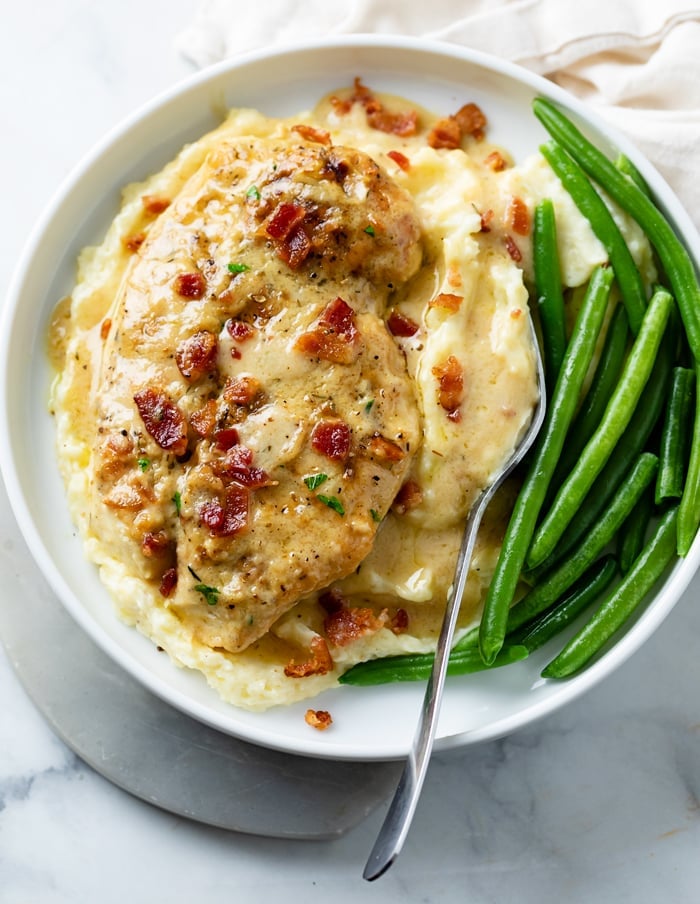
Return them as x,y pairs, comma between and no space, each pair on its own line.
636,61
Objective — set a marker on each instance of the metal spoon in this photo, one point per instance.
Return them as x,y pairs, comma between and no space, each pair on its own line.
398,819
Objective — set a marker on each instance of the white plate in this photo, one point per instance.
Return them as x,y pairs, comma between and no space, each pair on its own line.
368,723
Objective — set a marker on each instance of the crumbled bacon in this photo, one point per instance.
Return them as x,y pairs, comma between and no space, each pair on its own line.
384,450
450,377
310,133
332,439
284,219
446,300
320,662
134,241
399,621
196,356
239,330
229,516
190,285
346,625
295,248
335,338
155,204
203,420
318,718
226,438
162,420
518,216
168,582
154,544
496,161
105,327
242,390
378,117
237,466
486,218
446,133
408,497
400,325
401,160
471,120
286,226
512,249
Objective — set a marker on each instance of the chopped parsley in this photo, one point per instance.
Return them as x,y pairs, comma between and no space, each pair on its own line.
370,230
332,502
177,501
210,594
315,480
369,405
253,192
143,463
375,515
238,268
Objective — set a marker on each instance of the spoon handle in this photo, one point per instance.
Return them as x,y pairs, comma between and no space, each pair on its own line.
400,814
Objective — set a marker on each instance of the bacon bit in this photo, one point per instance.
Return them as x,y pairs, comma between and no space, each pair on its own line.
400,325
399,622
320,662
332,600
162,420
401,160
320,136
295,248
134,241
486,218
450,376
196,356
203,420
332,439
496,161
190,285
345,626
384,450
318,718
105,327
236,466
242,391
284,219
446,133
226,438
155,204
378,117
512,249
239,330
154,544
447,301
471,121
168,582
335,337
518,216
409,497
227,518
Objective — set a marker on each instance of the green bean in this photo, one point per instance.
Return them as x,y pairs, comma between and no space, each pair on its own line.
592,206
577,599
604,381
644,419
689,513
550,297
558,581
630,540
545,454
621,602
418,666
611,428
675,436
625,165
675,259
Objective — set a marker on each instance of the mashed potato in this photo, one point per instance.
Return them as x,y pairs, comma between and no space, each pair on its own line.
284,376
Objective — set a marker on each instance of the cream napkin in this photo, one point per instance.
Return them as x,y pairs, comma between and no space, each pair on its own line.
636,61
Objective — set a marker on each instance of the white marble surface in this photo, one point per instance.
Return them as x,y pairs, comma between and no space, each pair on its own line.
600,802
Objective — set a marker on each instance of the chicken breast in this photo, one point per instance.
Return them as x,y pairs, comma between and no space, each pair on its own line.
255,418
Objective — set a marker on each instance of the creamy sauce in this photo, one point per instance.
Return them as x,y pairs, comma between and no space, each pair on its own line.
408,561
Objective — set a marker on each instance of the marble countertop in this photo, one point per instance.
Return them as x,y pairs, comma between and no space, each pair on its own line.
599,802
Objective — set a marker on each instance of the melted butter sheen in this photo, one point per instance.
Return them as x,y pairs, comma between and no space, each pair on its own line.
125,321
